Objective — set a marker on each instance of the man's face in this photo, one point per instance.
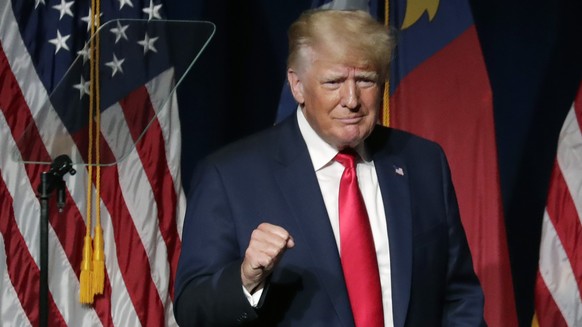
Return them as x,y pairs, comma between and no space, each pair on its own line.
340,101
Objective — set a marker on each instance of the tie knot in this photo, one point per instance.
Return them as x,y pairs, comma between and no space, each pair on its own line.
347,158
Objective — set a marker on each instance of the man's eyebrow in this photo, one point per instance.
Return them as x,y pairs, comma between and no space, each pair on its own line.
333,75
367,74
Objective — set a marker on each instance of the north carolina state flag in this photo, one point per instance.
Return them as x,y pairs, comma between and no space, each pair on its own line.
440,90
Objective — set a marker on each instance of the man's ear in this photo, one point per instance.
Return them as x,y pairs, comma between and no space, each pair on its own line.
296,86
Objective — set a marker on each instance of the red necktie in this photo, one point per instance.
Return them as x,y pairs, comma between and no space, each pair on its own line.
358,254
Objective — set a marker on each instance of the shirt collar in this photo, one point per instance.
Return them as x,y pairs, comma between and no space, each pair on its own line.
321,152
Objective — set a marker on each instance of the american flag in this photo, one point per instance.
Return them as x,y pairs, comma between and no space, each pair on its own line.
142,201
558,301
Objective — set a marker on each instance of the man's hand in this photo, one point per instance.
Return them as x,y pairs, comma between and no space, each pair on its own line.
267,245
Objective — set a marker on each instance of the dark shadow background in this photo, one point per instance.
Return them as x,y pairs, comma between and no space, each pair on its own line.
533,52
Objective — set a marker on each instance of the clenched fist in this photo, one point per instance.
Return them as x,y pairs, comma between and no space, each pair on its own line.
266,247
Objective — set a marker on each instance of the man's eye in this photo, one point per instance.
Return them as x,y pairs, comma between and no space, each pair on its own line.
366,82
331,84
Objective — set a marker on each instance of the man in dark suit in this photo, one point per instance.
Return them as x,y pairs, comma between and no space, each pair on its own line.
264,240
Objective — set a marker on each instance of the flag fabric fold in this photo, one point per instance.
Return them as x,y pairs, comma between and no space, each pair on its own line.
558,301
142,201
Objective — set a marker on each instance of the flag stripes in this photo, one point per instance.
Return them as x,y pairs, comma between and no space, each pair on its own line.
149,149
14,108
16,118
18,260
141,205
565,220
551,315
559,283
6,289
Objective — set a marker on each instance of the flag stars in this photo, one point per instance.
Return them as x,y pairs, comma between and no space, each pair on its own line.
60,42
119,32
38,2
87,19
153,11
85,53
125,2
83,87
148,43
115,65
64,8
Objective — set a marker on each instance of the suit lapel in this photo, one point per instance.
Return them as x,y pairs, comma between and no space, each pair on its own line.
394,185
299,185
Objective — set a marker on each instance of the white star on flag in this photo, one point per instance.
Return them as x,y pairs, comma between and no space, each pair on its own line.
148,43
83,87
125,2
60,42
84,52
153,11
115,65
119,31
38,2
64,8
87,19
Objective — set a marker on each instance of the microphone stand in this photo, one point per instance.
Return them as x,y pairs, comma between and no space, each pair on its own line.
50,181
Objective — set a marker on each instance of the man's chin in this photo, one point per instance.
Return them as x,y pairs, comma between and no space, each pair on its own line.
349,142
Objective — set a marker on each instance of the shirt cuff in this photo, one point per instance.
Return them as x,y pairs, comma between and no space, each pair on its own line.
253,298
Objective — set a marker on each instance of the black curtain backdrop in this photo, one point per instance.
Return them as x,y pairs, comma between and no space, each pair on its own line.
533,52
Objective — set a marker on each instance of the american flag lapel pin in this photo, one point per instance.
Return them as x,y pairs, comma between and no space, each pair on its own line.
399,170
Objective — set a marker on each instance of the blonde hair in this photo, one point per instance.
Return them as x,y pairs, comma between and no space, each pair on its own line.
351,37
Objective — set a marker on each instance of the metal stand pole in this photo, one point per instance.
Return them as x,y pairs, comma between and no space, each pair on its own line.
49,181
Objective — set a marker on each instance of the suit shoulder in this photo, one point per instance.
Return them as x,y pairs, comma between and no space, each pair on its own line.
257,147
251,145
399,141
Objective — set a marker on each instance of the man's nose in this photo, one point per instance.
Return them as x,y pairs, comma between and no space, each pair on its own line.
350,97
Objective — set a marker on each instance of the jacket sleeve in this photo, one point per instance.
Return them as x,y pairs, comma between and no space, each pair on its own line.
208,289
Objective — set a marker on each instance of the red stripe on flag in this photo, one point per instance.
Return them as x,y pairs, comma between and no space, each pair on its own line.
16,109
563,215
23,271
102,304
67,225
131,254
151,150
547,312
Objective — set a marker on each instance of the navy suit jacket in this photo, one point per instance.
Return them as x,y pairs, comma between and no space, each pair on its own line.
269,177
